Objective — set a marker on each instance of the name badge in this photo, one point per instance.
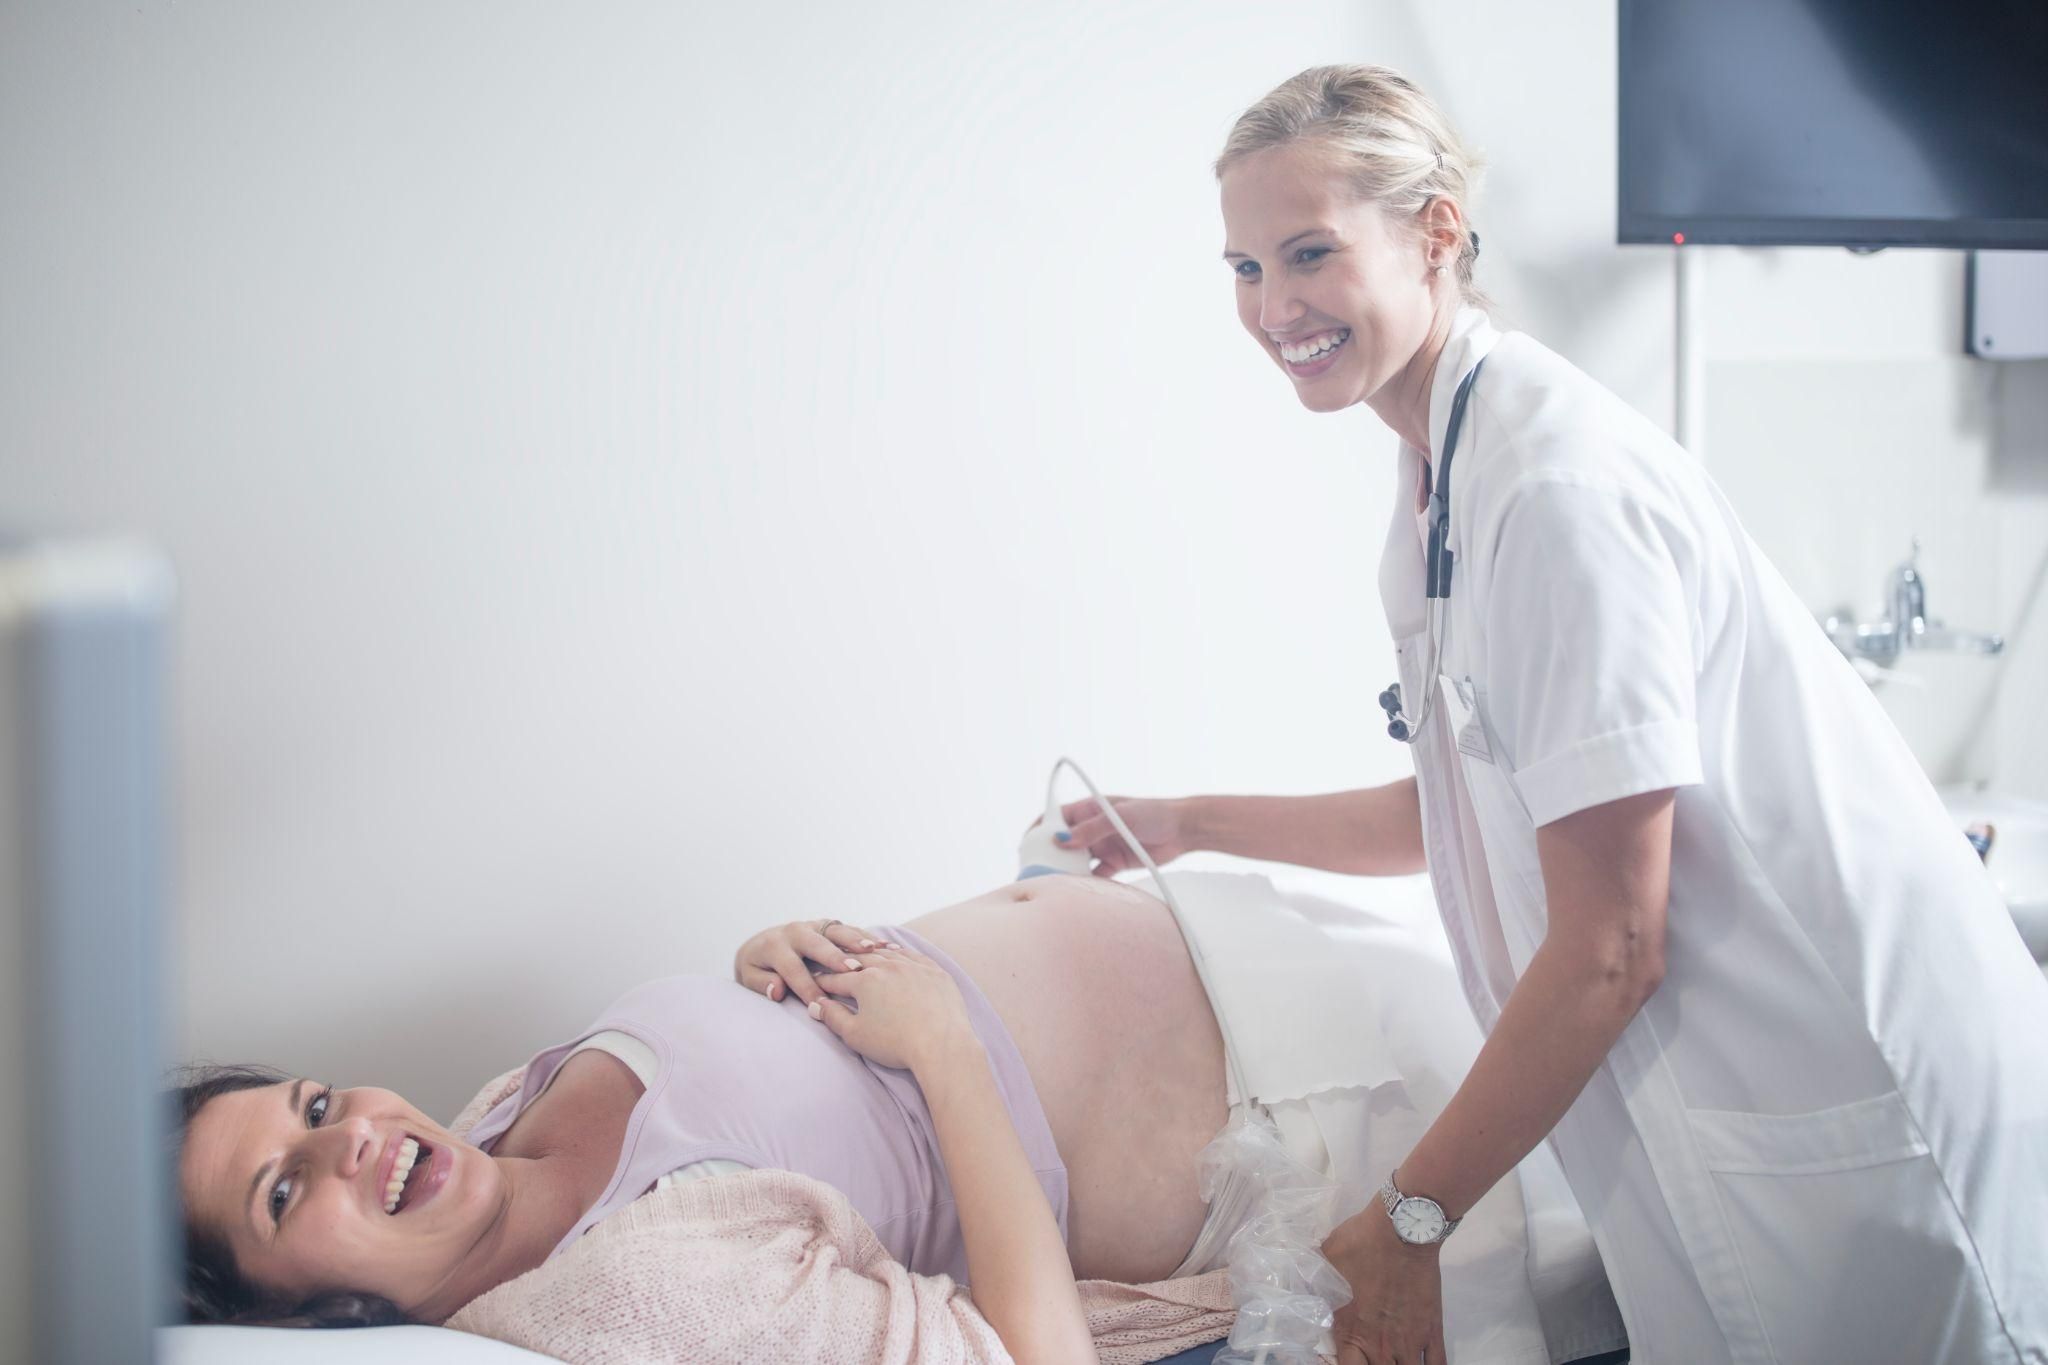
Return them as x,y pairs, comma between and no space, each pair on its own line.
1461,708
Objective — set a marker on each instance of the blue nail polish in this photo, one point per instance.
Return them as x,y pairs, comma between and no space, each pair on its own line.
1064,837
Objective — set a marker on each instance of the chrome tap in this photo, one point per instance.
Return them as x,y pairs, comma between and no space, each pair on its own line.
1906,625
1908,597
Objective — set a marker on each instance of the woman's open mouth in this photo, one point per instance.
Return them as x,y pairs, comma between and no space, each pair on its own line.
1312,355
416,1174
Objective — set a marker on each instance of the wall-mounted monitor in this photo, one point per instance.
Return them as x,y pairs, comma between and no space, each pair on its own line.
1857,123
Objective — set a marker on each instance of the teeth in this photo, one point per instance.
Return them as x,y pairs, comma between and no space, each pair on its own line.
1323,345
408,1152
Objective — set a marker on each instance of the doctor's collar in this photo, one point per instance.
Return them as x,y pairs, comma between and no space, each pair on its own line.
1472,335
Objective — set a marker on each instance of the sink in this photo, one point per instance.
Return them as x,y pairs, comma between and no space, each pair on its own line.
2018,862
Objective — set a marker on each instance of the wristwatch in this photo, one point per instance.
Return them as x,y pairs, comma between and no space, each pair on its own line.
1417,1221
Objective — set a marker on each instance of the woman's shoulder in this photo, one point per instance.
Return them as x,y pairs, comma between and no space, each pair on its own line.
650,1010
582,1113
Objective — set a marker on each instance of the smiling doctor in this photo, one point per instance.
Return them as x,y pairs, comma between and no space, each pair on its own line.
1733,959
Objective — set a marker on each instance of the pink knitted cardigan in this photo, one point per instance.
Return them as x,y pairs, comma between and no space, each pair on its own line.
766,1266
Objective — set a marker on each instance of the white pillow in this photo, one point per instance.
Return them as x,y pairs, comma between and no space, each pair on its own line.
214,1345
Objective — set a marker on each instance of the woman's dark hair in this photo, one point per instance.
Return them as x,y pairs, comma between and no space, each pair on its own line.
215,1290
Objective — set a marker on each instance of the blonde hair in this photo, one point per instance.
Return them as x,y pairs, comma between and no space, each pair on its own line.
1386,137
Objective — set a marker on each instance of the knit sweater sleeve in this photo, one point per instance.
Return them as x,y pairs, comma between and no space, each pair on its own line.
761,1266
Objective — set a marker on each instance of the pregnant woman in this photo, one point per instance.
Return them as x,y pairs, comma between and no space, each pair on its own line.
815,1162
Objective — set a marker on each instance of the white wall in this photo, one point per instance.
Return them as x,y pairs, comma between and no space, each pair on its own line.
639,472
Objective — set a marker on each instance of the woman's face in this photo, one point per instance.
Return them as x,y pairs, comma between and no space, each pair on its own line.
296,1177
1336,293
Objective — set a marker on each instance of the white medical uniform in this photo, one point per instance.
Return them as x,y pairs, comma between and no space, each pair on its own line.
1825,1137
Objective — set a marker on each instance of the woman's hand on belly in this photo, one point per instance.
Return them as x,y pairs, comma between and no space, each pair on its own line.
910,1009
772,961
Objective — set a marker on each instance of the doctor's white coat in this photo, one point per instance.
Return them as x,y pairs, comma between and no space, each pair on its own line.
1825,1138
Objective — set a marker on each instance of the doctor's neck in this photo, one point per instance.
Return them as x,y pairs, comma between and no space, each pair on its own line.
1403,401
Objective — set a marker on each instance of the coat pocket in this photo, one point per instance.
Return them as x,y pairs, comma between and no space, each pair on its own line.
1845,1236
1870,1132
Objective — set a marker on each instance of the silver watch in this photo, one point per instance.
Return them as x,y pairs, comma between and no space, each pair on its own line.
1417,1221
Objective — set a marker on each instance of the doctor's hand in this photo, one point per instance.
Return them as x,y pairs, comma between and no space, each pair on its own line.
772,961
909,1009
1162,826
1396,1313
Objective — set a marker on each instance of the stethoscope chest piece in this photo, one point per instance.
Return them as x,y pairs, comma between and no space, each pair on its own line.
1390,702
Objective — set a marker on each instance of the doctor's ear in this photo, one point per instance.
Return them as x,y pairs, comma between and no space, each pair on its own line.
1441,224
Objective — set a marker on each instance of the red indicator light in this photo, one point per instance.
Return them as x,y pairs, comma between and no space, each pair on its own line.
1678,239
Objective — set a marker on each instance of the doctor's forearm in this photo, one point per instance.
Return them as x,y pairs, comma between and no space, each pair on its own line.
1556,1028
1375,831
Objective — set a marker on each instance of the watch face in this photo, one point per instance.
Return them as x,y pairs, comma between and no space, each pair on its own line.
1418,1220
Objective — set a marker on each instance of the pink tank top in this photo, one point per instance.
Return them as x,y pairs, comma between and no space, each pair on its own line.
741,1078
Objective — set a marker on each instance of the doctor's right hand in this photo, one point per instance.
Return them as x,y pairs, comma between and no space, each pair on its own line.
1162,826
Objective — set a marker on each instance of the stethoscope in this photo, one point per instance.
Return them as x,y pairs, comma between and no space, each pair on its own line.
1437,564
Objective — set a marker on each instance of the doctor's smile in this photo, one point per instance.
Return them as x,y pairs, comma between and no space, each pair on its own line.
1313,354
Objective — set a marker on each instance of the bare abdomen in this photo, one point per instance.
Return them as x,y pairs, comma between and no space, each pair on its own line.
1096,987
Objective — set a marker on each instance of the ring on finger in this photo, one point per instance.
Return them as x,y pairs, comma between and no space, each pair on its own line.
827,924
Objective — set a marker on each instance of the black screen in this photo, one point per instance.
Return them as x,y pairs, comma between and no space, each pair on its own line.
1844,122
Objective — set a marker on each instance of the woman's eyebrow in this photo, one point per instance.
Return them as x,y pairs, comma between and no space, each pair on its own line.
256,1185
1228,254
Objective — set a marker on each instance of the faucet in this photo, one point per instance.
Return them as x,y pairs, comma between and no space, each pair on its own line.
1908,596
1905,626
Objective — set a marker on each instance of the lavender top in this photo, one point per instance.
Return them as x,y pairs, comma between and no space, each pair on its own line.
741,1078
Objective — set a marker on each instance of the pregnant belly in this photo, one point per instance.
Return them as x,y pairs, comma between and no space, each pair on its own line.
1094,984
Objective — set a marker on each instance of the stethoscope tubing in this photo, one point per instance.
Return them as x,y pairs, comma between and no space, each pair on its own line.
1438,565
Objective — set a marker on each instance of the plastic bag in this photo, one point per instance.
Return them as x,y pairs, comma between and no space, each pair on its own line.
1287,1295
